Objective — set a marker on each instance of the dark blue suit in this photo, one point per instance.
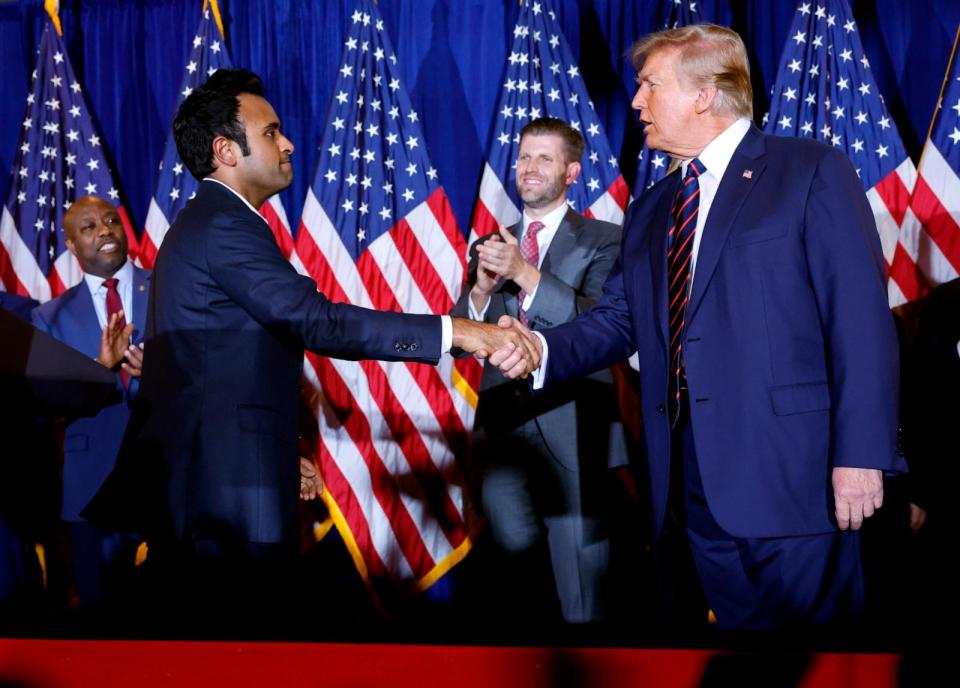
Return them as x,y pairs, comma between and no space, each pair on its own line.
789,347
90,445
215,425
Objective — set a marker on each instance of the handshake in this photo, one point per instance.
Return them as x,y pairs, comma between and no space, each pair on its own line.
508,345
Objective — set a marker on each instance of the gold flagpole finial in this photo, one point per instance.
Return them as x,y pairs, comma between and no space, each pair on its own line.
53,9
216,15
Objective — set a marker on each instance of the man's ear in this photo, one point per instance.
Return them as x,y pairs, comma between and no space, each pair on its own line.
72,247
705,98
573,171
224,151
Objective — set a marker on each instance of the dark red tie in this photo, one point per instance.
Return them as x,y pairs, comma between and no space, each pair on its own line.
115,305
530,250
679,255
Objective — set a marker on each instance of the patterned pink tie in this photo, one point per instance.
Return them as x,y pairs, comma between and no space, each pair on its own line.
115,305
531,253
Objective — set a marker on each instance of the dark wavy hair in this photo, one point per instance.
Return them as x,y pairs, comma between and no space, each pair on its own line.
209,112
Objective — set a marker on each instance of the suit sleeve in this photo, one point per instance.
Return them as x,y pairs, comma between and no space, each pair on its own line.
38,320
593,340
558,302
245,262
847,273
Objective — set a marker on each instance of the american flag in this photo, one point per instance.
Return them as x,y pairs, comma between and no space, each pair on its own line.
543,80
60,158
378,231
175,185
930,254
652,165
825,90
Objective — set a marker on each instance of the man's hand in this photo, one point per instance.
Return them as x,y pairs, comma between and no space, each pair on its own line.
486,280
311,484
134,363
482,339
918,518
857,493
114,342
503,258
510,362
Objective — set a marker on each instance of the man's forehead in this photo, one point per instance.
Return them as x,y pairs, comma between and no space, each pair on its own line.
541,141
659,62
256,110
90,204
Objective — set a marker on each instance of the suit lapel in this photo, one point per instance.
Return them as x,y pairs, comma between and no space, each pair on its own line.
740,177
81,320
658,252
560,255
141,290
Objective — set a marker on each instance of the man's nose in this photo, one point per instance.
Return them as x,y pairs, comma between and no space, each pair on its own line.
639,101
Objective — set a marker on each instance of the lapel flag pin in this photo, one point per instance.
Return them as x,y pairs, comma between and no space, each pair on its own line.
748,174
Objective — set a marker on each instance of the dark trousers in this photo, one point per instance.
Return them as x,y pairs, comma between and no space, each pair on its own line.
206,587
103,563
760,583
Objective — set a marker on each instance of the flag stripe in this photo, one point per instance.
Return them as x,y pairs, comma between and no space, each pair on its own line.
383,485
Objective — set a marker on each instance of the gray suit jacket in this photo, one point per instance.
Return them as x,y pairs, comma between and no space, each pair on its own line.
576,418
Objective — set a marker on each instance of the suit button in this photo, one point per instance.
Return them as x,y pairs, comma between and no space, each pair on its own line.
661,408
397,346
414,347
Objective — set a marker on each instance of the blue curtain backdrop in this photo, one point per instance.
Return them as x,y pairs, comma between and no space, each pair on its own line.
130,56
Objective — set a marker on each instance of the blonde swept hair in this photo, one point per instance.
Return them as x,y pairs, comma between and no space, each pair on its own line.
710,55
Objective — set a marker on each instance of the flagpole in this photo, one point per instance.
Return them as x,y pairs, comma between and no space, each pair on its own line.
216,14
943,87
53,9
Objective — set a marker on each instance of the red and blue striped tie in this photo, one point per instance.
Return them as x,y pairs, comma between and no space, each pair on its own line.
679,255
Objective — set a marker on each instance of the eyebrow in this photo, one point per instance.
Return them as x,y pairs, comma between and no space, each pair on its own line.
272,125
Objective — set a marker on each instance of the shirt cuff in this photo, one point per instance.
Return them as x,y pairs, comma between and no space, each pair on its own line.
540,374
446,334
528,298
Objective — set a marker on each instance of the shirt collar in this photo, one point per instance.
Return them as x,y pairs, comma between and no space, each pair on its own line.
718,153
124,275
234,192
551,220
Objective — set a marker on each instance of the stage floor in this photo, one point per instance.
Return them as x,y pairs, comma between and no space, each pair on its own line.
69,663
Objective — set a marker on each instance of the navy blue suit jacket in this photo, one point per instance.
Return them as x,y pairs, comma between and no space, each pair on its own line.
90,445
789,347
214,427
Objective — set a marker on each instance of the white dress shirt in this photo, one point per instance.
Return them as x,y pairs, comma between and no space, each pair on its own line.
446,325
715,157
98,292
551,223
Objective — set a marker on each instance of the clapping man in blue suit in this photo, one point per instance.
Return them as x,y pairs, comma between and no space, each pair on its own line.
100,316
751,283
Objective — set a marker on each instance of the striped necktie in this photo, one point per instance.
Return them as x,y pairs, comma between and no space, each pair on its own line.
679,256
530,250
